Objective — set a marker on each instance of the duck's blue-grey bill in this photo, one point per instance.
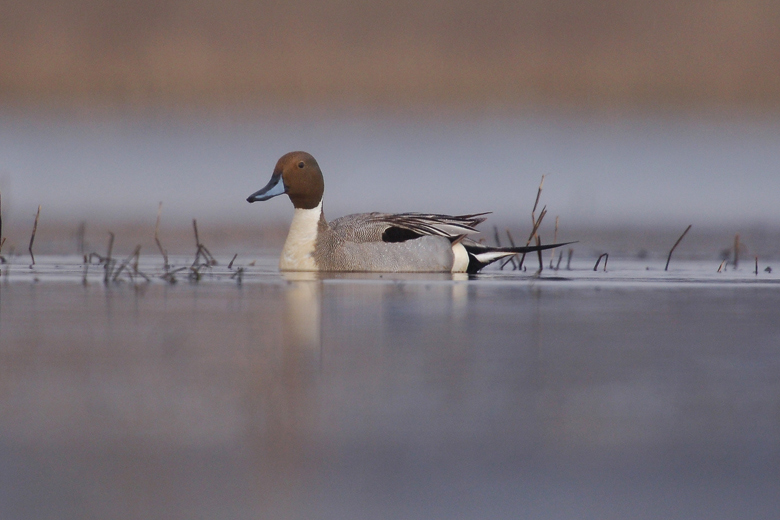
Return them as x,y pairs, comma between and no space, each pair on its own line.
272,189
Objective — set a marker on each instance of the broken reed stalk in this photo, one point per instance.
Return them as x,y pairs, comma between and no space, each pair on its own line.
539,253
238,275
568,260
555,239
194,274
163,252
736,250
756,266
560,257
537,223
197,242
720,267
605,256
8,263
202,250
230,265
137,259
32,237
511,259
538,195
170,276
669,258
138,272
534,220
195,227
126,262
131,261
107,261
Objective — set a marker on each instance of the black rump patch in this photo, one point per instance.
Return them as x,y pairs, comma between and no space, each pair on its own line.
397,234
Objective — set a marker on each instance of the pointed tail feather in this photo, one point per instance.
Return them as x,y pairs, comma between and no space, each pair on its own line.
481,255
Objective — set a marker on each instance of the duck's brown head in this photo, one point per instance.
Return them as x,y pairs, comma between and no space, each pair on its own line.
298,175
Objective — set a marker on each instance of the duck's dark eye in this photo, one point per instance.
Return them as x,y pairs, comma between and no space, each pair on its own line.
301,164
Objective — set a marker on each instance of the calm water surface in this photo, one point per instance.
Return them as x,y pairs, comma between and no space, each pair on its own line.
375,397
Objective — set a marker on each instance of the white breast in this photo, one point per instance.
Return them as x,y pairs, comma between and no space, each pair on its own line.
299,246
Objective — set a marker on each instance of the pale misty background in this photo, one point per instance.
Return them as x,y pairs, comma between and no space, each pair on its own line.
641,113
600,170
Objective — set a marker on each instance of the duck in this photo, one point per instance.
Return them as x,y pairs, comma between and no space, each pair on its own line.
373,242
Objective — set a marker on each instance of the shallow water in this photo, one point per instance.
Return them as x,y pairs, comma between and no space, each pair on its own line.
578,394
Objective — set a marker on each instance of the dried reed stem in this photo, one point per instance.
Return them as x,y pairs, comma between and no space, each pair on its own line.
170,276
202,250
32,237
720,267
163,252
756,266
107,261
736,250
498,244
605,256
195,227
126,262
537,223
139,273
230,265
86,269
194,274
536,203
534,220
238,275
539,253
511,259
669,258
8,263
568,260
555,240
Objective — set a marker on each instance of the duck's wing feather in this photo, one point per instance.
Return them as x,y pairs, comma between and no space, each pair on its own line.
400,227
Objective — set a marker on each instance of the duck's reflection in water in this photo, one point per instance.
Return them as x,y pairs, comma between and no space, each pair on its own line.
283,403
302,320
292,383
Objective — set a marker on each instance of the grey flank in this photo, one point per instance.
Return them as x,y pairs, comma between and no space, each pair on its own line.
425,254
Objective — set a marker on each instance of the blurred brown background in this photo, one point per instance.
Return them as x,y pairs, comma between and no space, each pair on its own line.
390,52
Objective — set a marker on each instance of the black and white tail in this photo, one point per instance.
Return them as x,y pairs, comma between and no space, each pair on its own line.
481,255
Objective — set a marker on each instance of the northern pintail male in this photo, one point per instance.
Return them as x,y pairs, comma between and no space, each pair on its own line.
372,242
